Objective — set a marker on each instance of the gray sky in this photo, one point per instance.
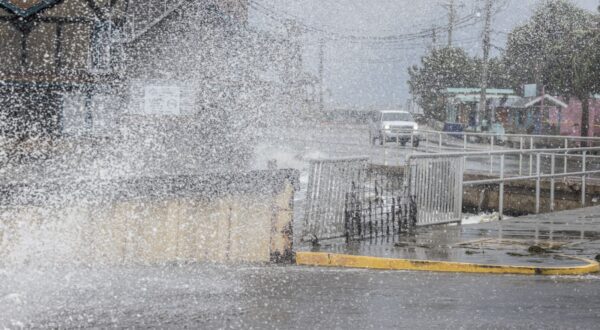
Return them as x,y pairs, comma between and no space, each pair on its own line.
374,73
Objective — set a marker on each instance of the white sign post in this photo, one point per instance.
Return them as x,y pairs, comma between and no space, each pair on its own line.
162,100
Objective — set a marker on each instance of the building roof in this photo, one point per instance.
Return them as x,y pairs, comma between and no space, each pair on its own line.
25,8
489,91
528,102
474,98
392,111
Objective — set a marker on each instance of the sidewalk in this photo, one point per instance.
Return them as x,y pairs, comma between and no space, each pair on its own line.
568,241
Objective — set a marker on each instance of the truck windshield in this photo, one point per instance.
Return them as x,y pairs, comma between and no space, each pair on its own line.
396,116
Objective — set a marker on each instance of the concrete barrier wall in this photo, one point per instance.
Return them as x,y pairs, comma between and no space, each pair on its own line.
241,224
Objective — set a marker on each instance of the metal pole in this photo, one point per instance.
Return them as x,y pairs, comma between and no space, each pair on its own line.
461,187
491,157
537,186
440,141
485,65
465,142
583,178
501,192
321,75
531,157
521,157
552,182
385,151
566,158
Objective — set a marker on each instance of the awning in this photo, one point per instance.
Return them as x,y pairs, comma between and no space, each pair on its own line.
528,102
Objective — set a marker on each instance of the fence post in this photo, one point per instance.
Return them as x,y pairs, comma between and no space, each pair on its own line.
552,182
501,190
465,141
521,156
440,141
566,152
537,185
530,156
583,178
463,166
491,156
385,152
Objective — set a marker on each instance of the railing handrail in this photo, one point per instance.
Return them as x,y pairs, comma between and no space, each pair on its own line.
339,160
538,175
528,177
561,151
562,137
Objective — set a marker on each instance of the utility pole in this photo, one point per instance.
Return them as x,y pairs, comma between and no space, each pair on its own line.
451,19
434,39
294,67
321,73
485,64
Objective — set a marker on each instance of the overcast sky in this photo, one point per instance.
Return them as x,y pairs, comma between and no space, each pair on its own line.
374,73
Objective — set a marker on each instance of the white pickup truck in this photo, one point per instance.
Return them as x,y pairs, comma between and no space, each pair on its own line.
393,125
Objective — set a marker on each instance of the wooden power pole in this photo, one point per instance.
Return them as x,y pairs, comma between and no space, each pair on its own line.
451,19
485,64
321,74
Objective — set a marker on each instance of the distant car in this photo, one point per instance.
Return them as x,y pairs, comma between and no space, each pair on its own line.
393,125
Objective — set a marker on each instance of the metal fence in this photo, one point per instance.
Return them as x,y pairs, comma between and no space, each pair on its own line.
346,198
436,184
588,166
328,183
379,205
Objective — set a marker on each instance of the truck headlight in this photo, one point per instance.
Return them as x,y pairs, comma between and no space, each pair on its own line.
386,127
416,127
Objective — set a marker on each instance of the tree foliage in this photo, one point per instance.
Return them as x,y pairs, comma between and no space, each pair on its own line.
557,48
450,67
442,68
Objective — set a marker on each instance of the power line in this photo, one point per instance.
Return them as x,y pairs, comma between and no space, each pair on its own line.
281,17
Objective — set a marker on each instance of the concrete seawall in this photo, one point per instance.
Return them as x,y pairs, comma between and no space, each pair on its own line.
230,217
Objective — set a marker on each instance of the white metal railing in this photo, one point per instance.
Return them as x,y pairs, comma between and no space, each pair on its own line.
349,140
436,186
503,175
328,183
437,142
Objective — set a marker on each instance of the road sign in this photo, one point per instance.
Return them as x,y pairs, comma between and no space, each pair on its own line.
162,100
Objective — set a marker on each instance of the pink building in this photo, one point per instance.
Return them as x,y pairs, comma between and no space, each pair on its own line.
570,117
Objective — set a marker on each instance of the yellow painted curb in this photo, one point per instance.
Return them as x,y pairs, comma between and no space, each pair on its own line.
353,261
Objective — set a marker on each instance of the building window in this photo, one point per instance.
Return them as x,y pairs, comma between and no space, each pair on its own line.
101,47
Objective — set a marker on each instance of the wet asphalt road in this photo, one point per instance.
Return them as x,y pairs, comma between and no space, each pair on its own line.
208,296
290,297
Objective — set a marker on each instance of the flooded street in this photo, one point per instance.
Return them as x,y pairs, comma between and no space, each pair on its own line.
286,297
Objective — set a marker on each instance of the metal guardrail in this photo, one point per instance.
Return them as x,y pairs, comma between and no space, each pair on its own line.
343,140
439,142
347,199
584,172
436,184
328,183
379,206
